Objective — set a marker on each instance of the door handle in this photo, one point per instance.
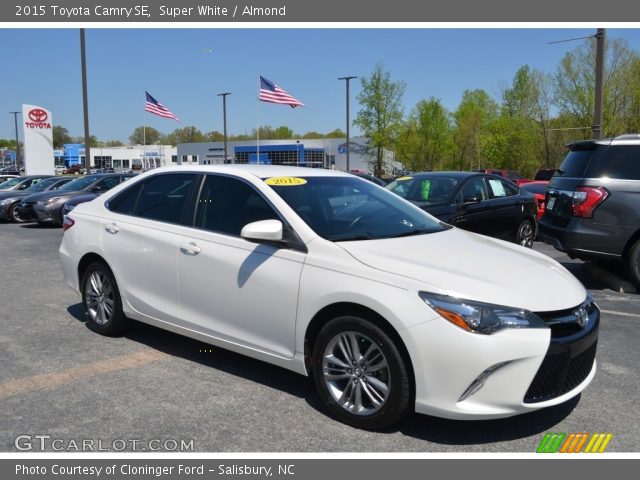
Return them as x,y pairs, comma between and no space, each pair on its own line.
190,249
112,228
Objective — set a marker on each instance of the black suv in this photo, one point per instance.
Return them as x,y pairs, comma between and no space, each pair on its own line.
593,203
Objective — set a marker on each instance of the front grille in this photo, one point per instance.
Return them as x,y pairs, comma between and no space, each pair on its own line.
559,374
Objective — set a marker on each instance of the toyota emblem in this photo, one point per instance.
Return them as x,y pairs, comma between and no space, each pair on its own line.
582,316
38,115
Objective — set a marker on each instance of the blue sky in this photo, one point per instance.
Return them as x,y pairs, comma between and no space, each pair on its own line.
185,69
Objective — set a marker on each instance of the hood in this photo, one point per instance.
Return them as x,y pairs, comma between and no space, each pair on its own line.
49,194
475,267
12,194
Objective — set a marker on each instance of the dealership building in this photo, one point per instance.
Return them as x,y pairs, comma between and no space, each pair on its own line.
330,153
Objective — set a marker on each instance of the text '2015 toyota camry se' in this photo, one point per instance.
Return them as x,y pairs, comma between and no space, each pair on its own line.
326,274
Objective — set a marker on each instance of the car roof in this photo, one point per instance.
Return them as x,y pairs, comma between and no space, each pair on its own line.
453,174
260,171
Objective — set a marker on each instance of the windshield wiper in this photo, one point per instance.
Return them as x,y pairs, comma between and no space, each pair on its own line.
354,238
417,231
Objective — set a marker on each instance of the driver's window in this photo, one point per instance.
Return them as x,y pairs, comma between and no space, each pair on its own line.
476,187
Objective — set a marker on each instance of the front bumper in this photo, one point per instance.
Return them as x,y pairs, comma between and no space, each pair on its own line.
48,214
26,212
533,368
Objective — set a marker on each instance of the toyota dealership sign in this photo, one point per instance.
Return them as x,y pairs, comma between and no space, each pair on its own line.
38,140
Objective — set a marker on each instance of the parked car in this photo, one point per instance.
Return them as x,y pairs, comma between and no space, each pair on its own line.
512,175
538,188
21,183
477,202
593,204
318,271
371,178
4,178
86,197
545,174
46,207
9,200
74,170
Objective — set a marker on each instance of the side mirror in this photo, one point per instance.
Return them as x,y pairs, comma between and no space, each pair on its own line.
471,199
263,230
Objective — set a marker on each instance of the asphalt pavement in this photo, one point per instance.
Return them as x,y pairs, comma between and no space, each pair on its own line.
63,386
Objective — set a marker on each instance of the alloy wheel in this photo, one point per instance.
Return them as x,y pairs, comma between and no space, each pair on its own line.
356,373
99,298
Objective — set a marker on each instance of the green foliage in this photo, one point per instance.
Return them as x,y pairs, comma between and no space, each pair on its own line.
185,135
60,136
145,136
380,115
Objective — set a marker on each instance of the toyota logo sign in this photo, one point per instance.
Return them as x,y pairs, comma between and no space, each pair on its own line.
38,115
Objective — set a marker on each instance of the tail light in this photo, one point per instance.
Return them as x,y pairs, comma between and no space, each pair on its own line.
586,199
67,223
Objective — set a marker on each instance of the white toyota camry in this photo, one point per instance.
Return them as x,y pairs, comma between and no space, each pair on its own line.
331,276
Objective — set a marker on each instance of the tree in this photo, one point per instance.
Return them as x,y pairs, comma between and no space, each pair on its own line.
283,132
145,136
313,134
60,136
214,136
113,143
424,140
185,135
575,86
337,133
472,119
380,116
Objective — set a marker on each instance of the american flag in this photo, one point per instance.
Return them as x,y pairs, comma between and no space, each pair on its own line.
270,92
155,107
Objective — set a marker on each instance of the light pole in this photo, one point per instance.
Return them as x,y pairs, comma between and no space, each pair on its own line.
597,114
85,102
346,79
224,119
15,121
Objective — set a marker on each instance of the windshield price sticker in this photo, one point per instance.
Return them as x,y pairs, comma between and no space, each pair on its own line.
285,181
403,179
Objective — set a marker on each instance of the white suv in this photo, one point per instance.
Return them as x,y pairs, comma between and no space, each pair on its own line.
329,275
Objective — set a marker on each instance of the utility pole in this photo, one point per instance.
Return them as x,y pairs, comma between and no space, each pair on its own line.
85,102
15,121
224,118
597,114
347,83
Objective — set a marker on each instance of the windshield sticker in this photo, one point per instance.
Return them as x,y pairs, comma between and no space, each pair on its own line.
285,181
403,179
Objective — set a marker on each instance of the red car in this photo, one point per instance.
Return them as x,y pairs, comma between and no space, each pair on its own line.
539,190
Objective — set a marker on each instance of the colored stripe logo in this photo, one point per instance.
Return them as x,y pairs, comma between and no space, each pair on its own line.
574,443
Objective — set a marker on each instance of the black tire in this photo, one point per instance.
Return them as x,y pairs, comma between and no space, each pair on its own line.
632,264
101,301
362,412
526,233
14,216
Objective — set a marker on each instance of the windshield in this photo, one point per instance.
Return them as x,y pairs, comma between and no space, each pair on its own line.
12,182
79,183
349,208
42,185
424,188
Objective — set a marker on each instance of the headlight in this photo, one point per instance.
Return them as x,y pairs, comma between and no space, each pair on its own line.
67,208
480,317
6,201
48,201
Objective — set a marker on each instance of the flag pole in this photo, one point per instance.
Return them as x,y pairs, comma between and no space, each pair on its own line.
258,124
144,140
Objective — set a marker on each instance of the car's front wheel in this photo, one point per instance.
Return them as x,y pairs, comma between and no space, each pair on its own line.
360,374
101,300
14,215
526,234
632,264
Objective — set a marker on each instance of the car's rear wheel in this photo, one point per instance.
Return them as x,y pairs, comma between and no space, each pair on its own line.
360,373
101,300
526,234
632,264
14,215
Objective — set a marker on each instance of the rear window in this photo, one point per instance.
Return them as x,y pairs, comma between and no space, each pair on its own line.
575,163
620,162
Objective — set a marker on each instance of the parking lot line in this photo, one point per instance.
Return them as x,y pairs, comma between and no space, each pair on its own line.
622,314
45,381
